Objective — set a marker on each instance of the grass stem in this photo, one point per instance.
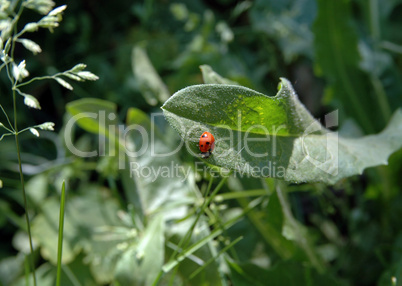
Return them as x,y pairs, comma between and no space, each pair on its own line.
61,229
23,189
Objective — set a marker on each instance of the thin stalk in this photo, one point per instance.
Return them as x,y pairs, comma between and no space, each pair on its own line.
9,130
171,282
190,250
212,259
184,241
26,268
61,229
267,231
8,119
215,218
43,78
301,238
23,188
4,135
14,23
37,78
2,66
187,237
243,194
15,128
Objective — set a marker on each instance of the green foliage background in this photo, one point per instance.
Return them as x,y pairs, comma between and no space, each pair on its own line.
336,53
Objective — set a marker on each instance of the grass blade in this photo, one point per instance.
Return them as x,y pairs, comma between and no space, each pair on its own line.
61,228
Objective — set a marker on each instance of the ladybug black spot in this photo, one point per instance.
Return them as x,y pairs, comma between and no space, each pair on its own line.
207,143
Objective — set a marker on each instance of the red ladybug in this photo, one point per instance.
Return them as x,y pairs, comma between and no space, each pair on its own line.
207,144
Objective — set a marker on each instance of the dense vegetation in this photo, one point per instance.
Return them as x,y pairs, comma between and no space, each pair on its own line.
180,219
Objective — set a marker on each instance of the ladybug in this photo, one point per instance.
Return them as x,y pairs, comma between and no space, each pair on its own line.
207,144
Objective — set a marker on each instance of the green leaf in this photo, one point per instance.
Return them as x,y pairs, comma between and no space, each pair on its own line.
45,276
95,205
10,268
75,273
141,263
287,23
276,137
164,186
337,59
155,184
93,115
153,180
45,232
151,85
210,76
161,182
344,52
37,188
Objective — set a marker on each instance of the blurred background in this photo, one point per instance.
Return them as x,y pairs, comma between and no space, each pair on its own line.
338,54
343,56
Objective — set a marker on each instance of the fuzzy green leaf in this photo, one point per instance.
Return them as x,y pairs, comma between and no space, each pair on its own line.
276,136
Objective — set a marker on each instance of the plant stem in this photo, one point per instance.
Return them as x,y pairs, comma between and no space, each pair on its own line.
215,257
37,78
4,135
185,240
301,238
61,229
8,119
17,144
242,194
23,187
270,235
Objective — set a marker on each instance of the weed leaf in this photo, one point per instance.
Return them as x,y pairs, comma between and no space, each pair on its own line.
266,136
